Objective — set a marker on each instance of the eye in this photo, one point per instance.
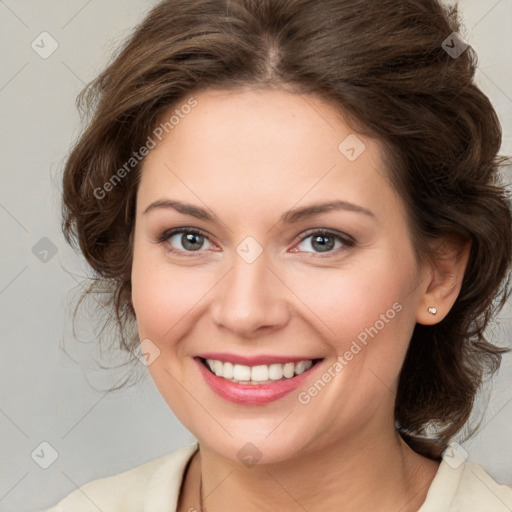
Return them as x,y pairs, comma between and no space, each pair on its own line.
324,241
185,240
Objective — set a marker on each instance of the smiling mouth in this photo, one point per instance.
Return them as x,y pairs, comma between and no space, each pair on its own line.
259,374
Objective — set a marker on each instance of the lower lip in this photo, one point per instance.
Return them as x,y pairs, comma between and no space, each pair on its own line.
252,394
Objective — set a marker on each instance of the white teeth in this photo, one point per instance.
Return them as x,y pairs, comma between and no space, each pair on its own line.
289,370
227,370
275,371
241,372
257,374
302,366
217,368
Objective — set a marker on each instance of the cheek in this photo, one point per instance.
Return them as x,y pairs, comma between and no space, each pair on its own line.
350,300
366,310
164,295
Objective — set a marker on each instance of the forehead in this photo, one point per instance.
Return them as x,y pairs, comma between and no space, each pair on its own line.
245,145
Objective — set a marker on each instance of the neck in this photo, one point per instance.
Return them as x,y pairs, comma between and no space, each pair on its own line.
371,472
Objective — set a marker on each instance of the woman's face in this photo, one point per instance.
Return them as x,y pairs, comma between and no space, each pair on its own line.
269,280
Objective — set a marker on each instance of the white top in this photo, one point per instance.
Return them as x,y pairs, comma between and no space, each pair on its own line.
155,486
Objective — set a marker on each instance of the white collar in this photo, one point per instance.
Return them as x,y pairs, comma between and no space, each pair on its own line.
467,487
163,488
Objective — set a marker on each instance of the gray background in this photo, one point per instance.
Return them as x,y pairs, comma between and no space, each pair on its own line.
48,396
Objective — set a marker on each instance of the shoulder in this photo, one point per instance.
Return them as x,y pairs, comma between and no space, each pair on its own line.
466,488
128,491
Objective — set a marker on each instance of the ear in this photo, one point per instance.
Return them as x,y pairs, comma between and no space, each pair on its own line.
444,279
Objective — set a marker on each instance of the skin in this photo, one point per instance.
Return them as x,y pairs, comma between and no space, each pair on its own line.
248,156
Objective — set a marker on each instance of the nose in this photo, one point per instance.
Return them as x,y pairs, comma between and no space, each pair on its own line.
251,300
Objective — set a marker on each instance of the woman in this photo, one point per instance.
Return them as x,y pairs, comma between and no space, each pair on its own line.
296,204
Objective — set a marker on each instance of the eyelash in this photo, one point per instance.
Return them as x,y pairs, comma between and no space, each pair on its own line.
346,240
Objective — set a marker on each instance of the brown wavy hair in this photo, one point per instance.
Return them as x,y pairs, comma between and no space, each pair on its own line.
383,66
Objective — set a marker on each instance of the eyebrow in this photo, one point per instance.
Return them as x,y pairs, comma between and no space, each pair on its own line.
289,217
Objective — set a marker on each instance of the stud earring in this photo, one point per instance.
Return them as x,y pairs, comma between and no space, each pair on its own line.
432,310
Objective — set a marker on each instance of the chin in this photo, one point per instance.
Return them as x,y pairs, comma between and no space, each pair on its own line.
253,449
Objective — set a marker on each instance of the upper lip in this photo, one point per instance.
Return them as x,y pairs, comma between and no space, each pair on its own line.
254,360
